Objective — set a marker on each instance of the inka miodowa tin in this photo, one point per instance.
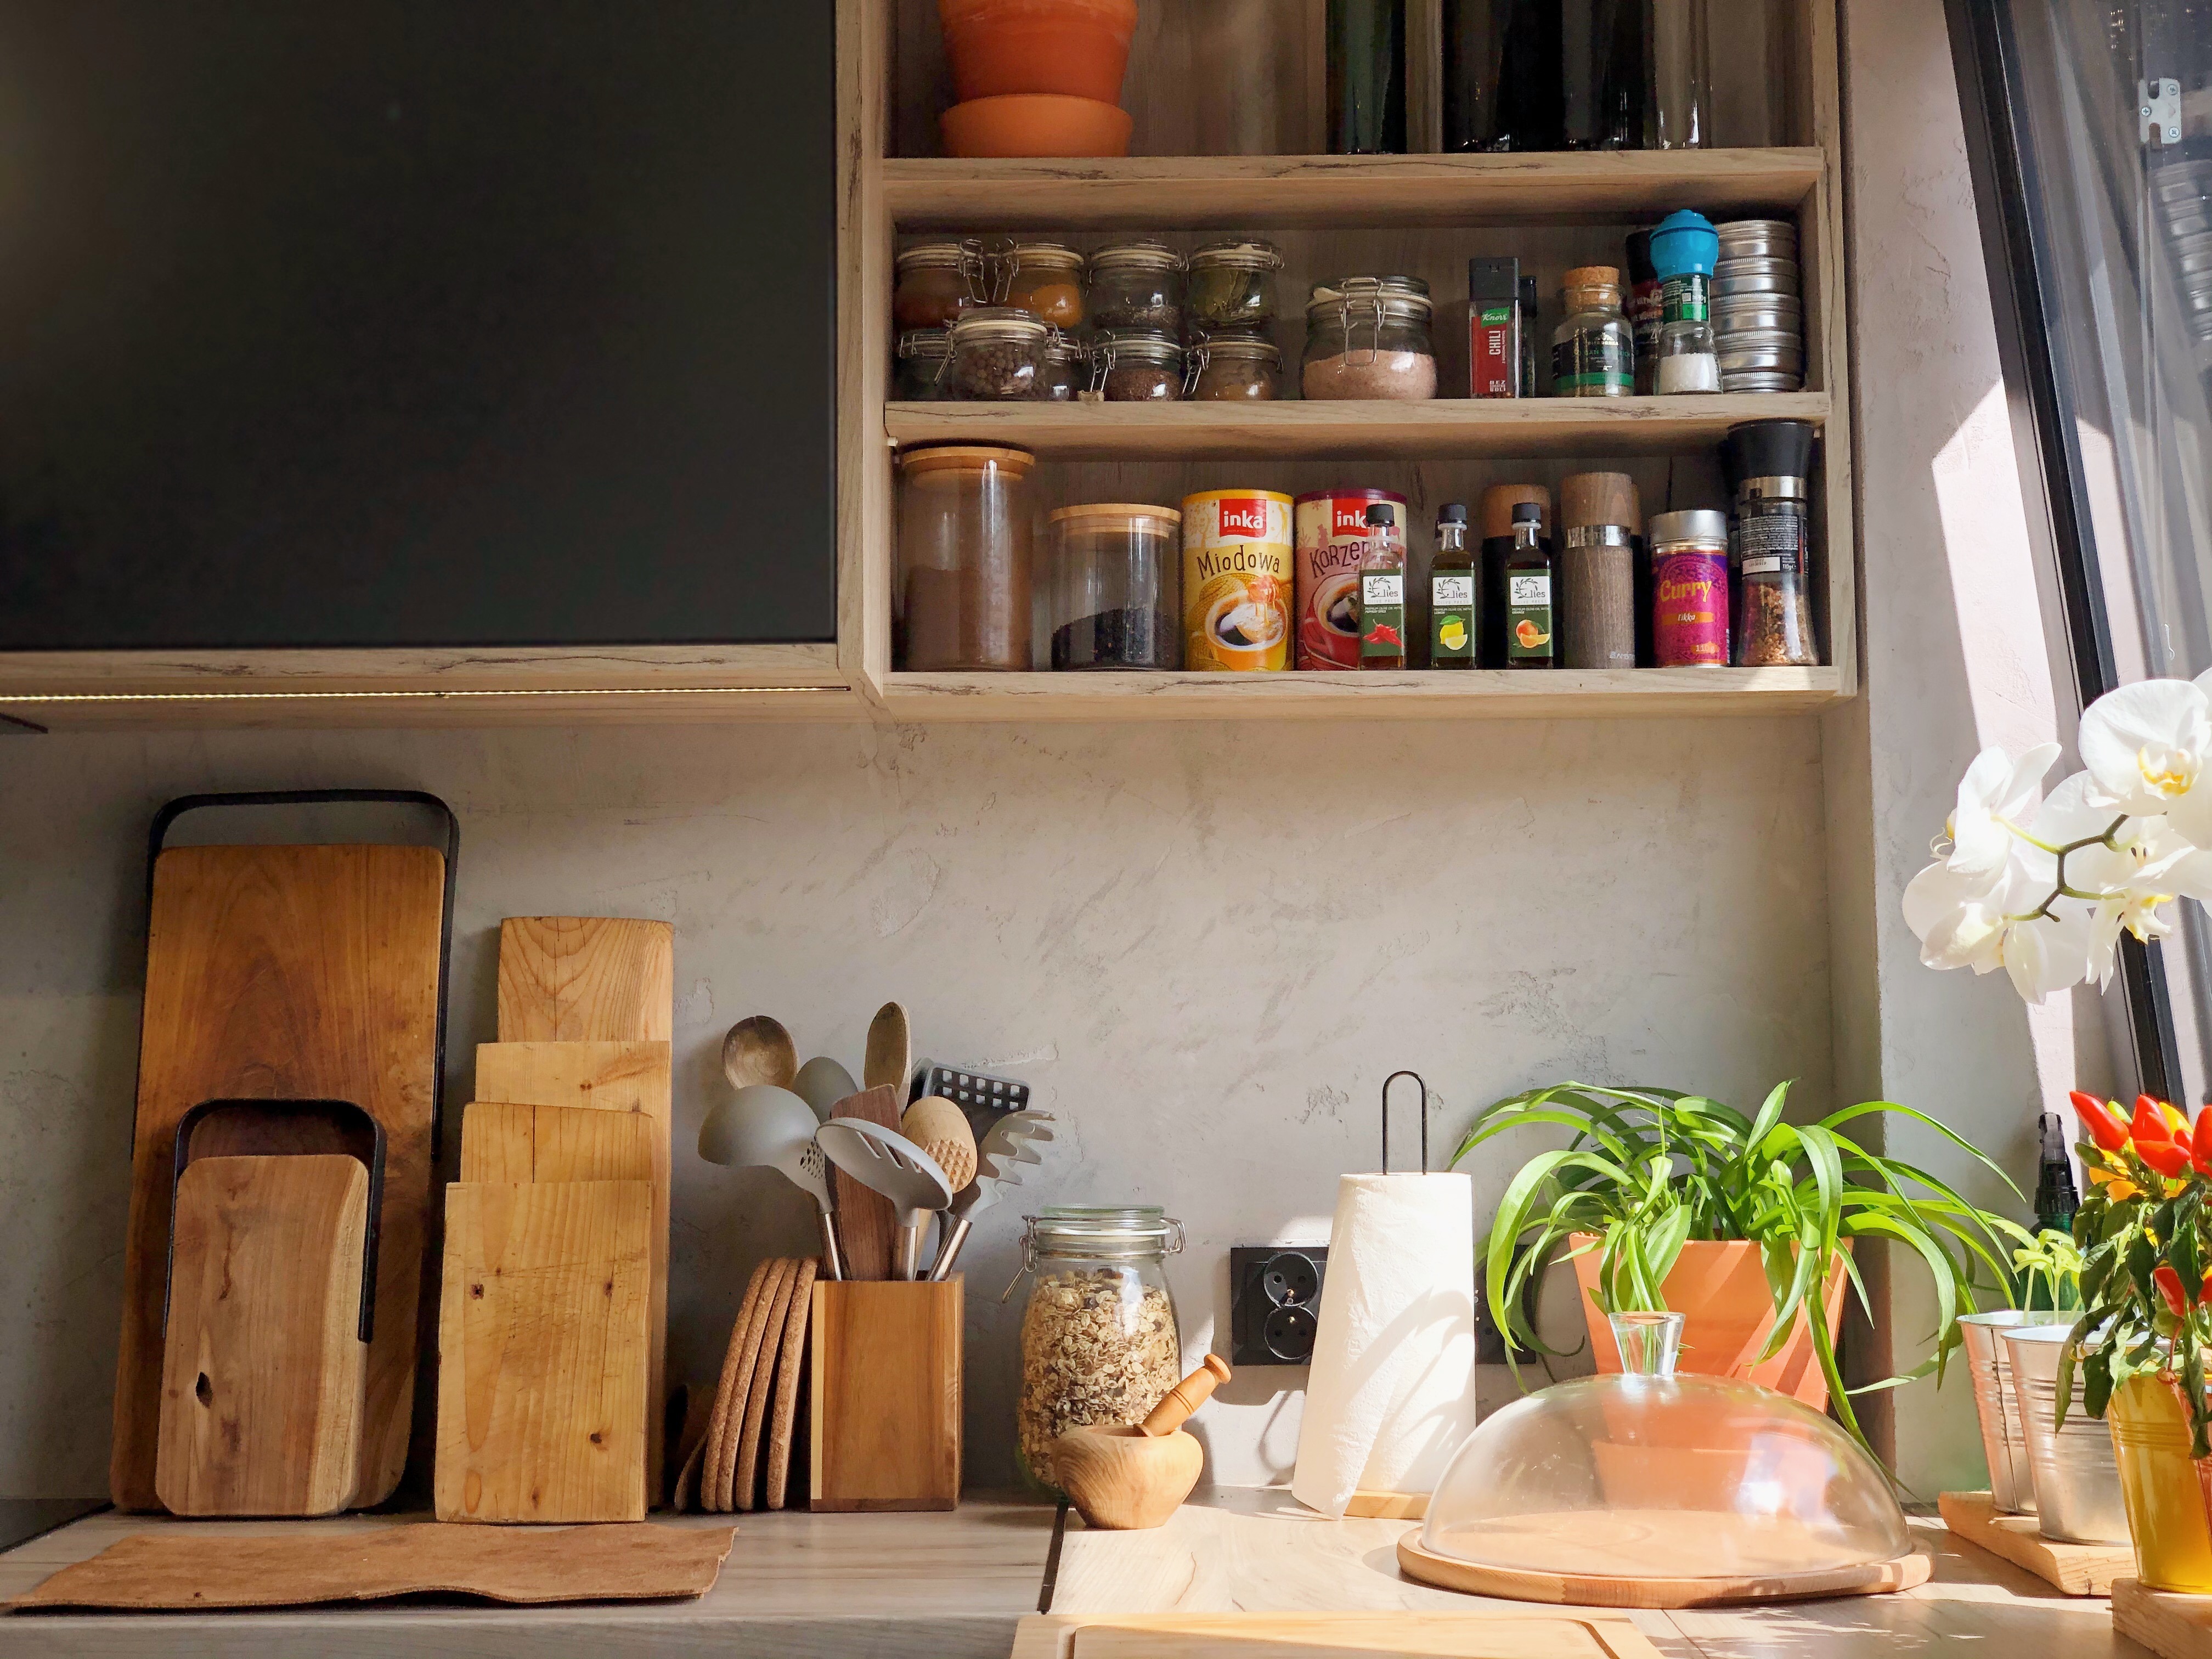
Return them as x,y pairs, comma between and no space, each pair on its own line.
1236,581
1333,536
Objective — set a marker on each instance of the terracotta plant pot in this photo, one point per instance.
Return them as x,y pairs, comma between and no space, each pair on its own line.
1079,48
2169,1512
1720,1288
1035,124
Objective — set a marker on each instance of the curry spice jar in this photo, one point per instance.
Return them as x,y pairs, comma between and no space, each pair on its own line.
961,600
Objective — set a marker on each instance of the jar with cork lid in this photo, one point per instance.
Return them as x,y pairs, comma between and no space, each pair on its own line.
1594,349
961,600
1600,515
1494,518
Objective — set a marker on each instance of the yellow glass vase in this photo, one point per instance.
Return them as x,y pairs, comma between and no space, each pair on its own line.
2162,1488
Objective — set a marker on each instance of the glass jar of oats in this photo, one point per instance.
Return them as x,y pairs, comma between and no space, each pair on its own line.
1099,1341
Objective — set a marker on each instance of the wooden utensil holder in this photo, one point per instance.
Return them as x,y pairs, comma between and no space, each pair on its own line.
886,1357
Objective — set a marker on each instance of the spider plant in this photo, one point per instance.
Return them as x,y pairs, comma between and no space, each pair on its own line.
1647,1170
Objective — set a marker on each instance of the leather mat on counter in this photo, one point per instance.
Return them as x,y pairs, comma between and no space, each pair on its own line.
186,1569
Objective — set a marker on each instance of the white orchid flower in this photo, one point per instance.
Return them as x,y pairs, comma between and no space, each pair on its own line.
2148,747
1964,921
1997,799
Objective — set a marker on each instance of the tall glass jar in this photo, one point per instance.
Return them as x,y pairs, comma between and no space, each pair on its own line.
1136,285
1116,586
1368,337
1678,113
962,597
1366,58
1099,1339
1232,284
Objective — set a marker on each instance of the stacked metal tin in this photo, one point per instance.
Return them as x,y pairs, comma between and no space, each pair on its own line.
1758,316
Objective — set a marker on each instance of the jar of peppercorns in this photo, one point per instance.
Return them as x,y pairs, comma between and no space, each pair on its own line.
1138,366
937,281
997,356
1045,279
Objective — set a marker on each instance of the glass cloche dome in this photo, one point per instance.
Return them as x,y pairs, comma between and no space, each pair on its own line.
1650,1475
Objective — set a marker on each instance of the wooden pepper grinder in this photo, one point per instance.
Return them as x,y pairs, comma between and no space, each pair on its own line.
1125,1477
1602,517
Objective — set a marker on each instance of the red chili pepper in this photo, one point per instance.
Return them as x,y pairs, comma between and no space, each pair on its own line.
2103,1124
2149,1123
1385,635
2200,1143
2169,1286
2205,1290
2163,1156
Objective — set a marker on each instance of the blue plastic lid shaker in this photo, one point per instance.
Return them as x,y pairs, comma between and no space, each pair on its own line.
1685,242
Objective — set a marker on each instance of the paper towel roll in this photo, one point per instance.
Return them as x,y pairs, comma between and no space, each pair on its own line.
1392,1391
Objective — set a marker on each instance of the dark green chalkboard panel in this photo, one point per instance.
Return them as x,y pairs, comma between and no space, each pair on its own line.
415,322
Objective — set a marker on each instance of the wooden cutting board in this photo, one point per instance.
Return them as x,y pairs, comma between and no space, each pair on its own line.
630,1077
263,1366
585,979
1478,1633
504,1142
306,973
867,1225
183,1569
542,1412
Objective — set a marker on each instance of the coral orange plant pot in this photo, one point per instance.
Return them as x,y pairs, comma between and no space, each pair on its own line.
1719,1287
1078,48
2165,1491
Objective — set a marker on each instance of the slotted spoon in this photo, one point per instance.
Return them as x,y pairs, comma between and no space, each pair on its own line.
884,1161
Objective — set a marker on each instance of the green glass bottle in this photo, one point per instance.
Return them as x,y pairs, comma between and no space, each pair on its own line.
1366,55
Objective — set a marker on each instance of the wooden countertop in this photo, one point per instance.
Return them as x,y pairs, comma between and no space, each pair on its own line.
801,1586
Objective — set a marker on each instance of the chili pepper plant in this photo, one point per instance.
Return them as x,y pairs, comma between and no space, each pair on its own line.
2147,1257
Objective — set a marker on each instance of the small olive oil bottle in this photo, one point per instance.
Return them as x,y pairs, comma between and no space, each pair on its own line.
1531,637
1451,593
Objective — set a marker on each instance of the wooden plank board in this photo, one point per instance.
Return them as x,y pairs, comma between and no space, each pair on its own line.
611,1076
304,973
501,1141
263,1364
885,1395
542,1412
2077,1568
198,1570
1446,428
2172,1625
1480,1632
585,979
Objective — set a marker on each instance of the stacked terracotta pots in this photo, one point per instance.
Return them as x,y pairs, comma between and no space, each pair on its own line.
1037,77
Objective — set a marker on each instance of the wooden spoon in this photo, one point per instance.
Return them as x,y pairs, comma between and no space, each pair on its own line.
759,1050
890,1057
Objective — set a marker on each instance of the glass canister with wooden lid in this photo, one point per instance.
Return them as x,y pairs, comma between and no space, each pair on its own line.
961,593
1116,586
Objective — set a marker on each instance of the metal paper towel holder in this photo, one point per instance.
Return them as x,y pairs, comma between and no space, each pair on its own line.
1424,1087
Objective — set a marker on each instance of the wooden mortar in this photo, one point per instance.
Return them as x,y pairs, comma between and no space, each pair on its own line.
1127,1477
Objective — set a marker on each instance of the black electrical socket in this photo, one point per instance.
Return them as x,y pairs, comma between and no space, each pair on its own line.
1275,1302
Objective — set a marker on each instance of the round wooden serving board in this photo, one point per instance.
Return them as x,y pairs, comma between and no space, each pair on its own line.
1595,1590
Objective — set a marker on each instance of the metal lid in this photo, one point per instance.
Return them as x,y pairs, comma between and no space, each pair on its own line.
996,323
1139,345
1074,1229
1140,254
1238,253
948,256
1057,254
1239,347
1389,296
925,343
1698,526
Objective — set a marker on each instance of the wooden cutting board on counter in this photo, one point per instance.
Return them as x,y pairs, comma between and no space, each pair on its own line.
542,1414
1478,1633
585,979
274,973
261,1388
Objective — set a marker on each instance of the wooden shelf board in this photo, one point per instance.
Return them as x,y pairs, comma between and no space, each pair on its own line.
1447,426
1599,694
1229,191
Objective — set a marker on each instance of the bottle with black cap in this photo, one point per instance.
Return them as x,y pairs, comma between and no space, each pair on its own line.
1531,635
1451,593
1382,592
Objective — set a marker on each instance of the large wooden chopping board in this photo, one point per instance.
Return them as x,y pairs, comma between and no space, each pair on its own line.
273,973
585,979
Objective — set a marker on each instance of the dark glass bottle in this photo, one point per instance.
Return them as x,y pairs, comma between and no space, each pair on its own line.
1366,52
1602,77
1453,622
2056,1197
1536,75
1532,634
1382,592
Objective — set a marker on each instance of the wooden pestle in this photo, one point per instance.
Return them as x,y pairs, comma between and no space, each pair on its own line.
1186,1397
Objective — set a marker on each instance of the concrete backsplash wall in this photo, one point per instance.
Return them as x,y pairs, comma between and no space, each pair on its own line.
1205,945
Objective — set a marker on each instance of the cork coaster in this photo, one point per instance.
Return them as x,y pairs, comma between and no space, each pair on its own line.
785,1414
749,1438
723,1460
707,1484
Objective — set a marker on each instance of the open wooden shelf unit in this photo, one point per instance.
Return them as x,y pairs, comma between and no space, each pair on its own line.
1425,214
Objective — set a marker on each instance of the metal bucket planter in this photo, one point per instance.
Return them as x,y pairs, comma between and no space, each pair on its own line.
2004,1440
2163,1486
2076,1476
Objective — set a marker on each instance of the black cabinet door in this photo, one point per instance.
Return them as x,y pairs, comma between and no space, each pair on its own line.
415,322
